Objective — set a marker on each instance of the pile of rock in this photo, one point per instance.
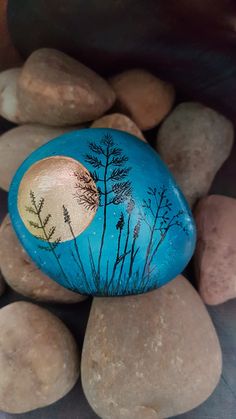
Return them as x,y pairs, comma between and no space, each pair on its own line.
150,356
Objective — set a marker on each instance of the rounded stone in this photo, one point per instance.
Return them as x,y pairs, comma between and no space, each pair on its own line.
195,141
100,213
118,121
23,276
151,356
39,359
10,107
215,257
144,97
54,89
17,143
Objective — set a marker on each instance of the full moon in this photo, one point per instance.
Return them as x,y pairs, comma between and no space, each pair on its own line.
57,199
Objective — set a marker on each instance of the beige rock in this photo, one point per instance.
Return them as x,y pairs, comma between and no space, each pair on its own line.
38,358
10,108
17,143
144,97
195,141
118,121
55,89
23,276
215,258
151,356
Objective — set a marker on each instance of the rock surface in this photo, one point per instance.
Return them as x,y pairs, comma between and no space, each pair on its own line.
195,141
17,143
118,121
55,89
144,97
38,358
10,108
160,358
23,276
2,284
215,258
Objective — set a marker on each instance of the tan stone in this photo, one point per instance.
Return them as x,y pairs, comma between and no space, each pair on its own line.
215,257
144,97
23,276
150,356
10,108
17,143
55,89
39,359
120,122
195,141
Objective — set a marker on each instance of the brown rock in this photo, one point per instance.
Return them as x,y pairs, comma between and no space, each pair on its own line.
9,57
23,276
144,97
55,89
195,141
215,258
118,121
10,107
38,358
151,356
17,143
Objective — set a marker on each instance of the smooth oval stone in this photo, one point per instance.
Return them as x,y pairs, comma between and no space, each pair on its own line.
99,212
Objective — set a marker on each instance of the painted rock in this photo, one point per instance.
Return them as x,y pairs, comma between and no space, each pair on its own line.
99,212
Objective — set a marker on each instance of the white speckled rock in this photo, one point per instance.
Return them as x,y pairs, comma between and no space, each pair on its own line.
151,356
118,121
144,97
23,276
54,89
10,108
215,258
39,359
17,143
195,141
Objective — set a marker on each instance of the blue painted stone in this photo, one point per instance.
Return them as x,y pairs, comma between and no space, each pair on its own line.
99,212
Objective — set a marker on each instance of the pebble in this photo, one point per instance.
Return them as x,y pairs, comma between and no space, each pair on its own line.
118,121
151,356
144,97
10,107
195,141
39,359
55,89
17,143
23,276
215,257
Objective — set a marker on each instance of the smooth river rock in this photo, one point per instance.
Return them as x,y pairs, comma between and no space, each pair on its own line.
55,89
151,356
215,257
23,276
39,358
10,107
144,97
195,141
118,121
17,143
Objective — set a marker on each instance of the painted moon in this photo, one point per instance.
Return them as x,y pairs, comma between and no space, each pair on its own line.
57,199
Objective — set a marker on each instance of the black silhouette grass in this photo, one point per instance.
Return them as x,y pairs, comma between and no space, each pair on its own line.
45,233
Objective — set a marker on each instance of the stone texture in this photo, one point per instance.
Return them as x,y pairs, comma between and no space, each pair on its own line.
17,143
151,356
195,141
38,358
2,284
10,108
144,97
215,258
55,89
23,276
118,121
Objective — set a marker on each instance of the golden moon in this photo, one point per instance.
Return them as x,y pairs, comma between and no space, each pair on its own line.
57,199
